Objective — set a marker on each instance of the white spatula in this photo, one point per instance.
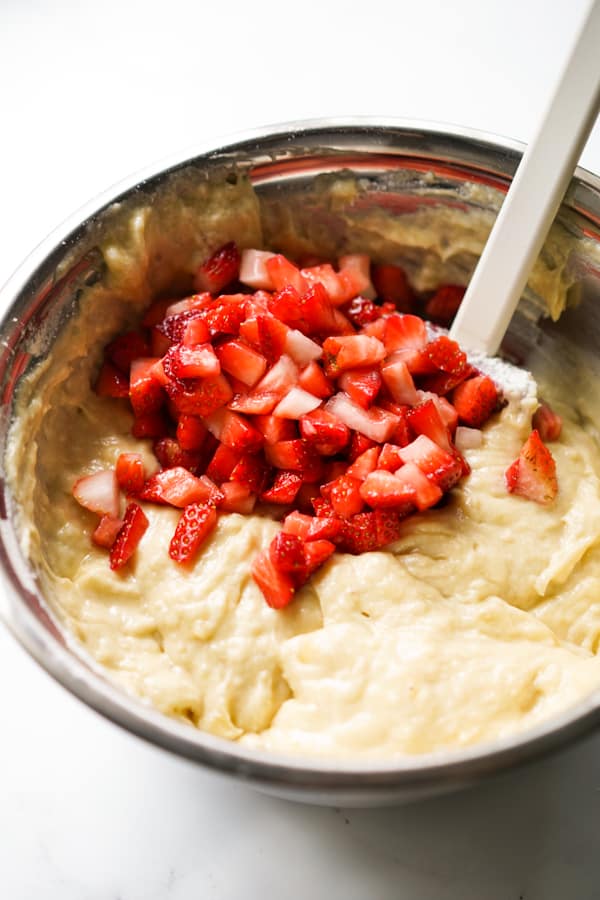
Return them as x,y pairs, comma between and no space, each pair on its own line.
534,197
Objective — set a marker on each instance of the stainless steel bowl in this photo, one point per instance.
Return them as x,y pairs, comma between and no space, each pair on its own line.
402,165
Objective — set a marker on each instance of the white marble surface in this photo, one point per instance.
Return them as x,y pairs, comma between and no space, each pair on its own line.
90,92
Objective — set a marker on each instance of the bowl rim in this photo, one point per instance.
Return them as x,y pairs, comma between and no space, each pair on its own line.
84,678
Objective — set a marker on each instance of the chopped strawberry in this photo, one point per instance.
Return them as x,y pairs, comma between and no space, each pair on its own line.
388,526
399,382
391,284
361,385
296,455
222,464
105,533
237,498
323,277
345,496
99,493
277,587
130,534
145,392
297,523
155,313
323,508
285,306
197,522
359,534
226,315
351,352
316,552
426,419
275,429
475,400
324,528
402,433
467,438
234,430
390,457
284,489
360,311
219,270
191,432
301,348
178,487
287,553
130,472
382,489
314,380
195,332
375,423
443,306
404,332
426,492
358,444
255,403
296,403
111,382
280,378
324,431
438,465
253,270
266,334
442,383
355,275
149,425
305,496
445,354
533,473
547,423
201,396
319,314
282,273
251,471
364,464
124,349
237,358
184,362
174,327
170,454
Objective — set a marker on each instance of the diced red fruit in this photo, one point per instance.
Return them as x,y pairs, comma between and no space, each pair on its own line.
443,306
399,382
297,455
358,444
351,352
324,431
256,403
178,487
191,432
445,354
125,348
252,472
305,496
533,474
145,391
319,315
324,277
547,423
426,419
359,534
345,496
169,453
277,587
382,489
404,332
149,425
284,273
467,438
438,465
266,334
237,498
155,313
253,270
196,523
296,403
284,304
195,332
234,430
222,464
275,429
402,433
106,531
390,457
364,464
130,472
361,385
360,311
200,397
426,491
298,524
184,362
226,316
130,534
314,380
302,349
388,526
99,492
442,383
287,553
219,270
316,552
111,382
237,358
284,489
391,284
475,400
175,327
375,423
280,378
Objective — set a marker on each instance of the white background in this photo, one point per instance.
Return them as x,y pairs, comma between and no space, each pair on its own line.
88,93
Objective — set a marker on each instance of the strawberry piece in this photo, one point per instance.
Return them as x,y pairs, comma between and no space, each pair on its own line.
297,523
243,361
190,362
323,277
402,433
358,444
197,522
130,472
277,587
296,403
327,528
547,423
155,313
391,284
286,552
345,496
361,385
390,458
376,423
219,270
191,432
301,348
111,382
253,270
224,461
296,455
351,352
283,273
388,526
178,487
445,354
399,382
442,383
322,508
475,400
533,474
105,533
170,454
314,380
149,425
360,311
285,306
355,275
200,397
237,498
305,496
364,464
443,306
280,378
404,332
130,534
174,327
226,316
195,332
99,493
145,392
382,489
359,534
324,431
426,419
275,429
319,314
426,493
316,552
266,334
284,489
257,403
438,465
233,430
252,472
125,348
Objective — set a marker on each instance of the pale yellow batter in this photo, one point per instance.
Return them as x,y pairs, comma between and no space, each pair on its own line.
483,620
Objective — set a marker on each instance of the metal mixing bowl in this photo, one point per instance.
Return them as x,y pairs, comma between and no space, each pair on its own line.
402,166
